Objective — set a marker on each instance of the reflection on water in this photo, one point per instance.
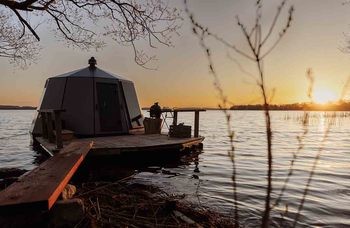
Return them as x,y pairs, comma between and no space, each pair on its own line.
206,177
15,142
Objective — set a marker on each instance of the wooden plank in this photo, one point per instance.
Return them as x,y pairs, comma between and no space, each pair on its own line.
115,145
50,148
50,110
137,131
40,188
189,110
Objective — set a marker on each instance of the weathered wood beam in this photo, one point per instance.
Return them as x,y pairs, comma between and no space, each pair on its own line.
40,188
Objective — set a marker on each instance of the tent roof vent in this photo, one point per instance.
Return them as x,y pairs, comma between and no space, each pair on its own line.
92,62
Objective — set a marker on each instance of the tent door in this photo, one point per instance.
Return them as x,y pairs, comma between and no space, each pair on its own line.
108,107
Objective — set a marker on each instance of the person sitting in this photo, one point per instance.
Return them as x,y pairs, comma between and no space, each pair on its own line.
155,111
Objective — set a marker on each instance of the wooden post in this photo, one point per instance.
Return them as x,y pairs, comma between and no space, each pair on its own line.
50,128
58,129
175,118
43,124
196,123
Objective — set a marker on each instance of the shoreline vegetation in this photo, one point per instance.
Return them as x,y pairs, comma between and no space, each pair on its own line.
331,106
128,204
100,202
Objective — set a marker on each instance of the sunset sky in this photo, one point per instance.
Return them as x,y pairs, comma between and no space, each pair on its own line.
315,40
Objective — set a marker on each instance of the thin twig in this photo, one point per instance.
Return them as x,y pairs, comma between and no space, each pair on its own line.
305,121
255,46
201,34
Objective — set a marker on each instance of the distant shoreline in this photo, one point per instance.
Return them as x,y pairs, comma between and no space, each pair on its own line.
15,107
289,107
342,106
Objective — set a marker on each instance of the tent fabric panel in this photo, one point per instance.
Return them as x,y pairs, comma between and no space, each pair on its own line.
85,72
53,96
132,103
79,106
125,121
104,74
88,73
36,127
68,73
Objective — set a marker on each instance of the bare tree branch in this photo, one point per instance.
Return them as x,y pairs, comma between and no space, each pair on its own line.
85,23
20,48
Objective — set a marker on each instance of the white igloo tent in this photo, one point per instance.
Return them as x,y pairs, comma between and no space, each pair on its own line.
95,102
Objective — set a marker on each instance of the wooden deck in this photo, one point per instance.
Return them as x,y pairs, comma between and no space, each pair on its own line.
40,188
116,145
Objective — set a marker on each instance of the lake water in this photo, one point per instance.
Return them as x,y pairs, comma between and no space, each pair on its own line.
207,178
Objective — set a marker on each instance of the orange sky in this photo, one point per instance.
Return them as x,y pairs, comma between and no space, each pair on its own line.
182,78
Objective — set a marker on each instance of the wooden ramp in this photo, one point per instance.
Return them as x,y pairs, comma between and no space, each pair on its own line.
40,188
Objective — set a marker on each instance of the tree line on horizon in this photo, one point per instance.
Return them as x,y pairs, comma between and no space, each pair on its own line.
339,106
16,107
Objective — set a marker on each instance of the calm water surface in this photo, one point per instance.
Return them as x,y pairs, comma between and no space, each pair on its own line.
207,179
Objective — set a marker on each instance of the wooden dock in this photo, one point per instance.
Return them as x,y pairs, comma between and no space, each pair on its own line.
40,188
117,145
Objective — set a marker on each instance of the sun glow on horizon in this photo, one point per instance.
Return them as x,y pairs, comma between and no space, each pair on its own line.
324,96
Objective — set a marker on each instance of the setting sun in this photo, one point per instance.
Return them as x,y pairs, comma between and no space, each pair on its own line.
322,96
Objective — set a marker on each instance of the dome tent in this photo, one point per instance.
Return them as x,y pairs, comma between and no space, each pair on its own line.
95,102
